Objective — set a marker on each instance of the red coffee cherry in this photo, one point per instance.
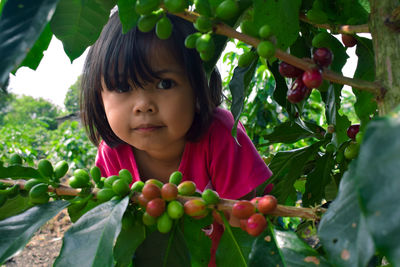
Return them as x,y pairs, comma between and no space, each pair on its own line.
353,130
256,224
322,57
243,209
169,191
243,224
267,204
142,200
195,207
312,78
349,40
151,191
297,92
290,71
155,207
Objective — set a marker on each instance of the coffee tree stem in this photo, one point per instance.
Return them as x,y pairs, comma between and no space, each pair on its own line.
359,84
224,204
346,29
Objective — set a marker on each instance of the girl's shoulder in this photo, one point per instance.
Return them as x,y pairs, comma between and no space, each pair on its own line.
223,123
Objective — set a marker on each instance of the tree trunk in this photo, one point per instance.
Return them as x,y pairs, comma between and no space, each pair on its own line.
385,30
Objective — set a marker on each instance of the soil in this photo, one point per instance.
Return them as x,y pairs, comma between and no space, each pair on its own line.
45,245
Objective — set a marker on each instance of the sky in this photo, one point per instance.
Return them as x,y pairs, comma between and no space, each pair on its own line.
52,78
56,74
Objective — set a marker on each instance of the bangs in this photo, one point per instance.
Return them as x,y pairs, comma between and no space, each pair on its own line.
126,60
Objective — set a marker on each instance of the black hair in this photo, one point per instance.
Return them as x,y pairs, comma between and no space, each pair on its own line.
120,58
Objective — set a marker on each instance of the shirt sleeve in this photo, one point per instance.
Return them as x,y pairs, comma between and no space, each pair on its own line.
236,167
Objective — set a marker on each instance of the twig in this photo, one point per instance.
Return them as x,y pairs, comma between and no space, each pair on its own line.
224,204
223,29
347,29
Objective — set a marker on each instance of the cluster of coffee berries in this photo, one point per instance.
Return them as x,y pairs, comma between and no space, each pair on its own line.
114,186
36,189
305,81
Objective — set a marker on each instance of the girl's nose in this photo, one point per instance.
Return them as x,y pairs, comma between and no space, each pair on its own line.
144,103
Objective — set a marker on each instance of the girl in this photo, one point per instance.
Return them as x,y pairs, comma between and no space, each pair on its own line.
147,105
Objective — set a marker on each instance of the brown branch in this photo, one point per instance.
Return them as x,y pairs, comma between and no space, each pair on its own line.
223,29
224,204
347,29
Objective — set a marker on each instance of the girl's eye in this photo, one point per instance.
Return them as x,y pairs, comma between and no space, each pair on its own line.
122,89
165,84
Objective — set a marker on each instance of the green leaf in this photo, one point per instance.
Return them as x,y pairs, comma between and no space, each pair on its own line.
377,176
90,241
35,55
365,101
238,86
290,132
341,122
317,180
264,251
342,230
163,250
198,243
16,231
234,247
282,16
78,24
128,241
14,206
295,252
18,172
287,166
21,24
127,14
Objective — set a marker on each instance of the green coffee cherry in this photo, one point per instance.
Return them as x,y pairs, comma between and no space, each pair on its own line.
175,177
190,41
330,148
45,168
203,24
147,22
351,151
145,7
120,187
266,49
15,159
137,186
203,7
95,173
210,197
82,178
12,191
105,194
126,175
38,194
175,209
186,188
249,28
31,183
148,220
175,6
164,223
110,180
207,55
156,182
60,169
204,43
227,9
246,58
164,28
265,31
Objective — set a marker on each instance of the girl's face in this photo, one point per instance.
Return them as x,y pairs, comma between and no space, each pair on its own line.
156,118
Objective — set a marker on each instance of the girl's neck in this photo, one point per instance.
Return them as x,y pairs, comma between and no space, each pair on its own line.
158,165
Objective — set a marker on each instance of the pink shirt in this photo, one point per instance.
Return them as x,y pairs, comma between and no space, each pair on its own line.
216,161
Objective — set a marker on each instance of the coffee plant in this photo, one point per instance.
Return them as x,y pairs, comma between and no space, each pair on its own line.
337,179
